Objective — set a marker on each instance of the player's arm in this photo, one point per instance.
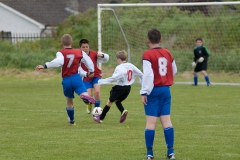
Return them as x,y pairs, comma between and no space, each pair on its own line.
57,62
82,72
116,76
147,78
102,57
174,67
207,53
195,57
138,72
88,62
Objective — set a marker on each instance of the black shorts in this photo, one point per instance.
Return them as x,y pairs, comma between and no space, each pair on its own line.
201,67
119,93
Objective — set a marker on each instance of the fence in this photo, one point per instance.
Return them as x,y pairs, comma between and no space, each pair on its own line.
19,37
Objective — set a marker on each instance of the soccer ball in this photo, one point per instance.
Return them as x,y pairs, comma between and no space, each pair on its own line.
97,111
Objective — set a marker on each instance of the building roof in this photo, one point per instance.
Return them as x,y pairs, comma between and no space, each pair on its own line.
47,12
53,12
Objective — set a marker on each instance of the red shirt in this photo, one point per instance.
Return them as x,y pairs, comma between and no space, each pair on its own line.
72,58
97,71
161,60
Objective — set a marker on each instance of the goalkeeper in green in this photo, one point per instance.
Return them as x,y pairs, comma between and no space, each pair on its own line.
200,61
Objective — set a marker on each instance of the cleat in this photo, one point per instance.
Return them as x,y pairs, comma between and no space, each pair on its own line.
87,99
72,123
171,156
97,119
149,157
89,108
208,84
194,84
123,116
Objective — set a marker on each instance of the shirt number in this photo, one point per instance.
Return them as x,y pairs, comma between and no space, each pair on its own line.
129,74
71,58
162,63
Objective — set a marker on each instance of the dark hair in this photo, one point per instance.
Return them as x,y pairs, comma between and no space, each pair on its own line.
199,39
83,41
154,36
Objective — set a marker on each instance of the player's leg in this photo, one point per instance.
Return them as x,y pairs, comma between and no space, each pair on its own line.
89,87
152,114
70,111
151,122
112,98
167,124
169,135
100,118
195,78
96,92
122,94
69,94
89,106
80,89
204,72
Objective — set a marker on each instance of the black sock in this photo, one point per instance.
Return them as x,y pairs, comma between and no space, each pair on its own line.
104,112
120,106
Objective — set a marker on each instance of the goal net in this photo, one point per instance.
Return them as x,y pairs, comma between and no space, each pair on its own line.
125,26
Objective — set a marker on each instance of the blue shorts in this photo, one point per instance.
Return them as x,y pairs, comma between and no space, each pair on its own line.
90,84
73,84
158,102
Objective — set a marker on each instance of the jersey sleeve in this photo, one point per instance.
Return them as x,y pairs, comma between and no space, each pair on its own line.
81,71
88,62
147,78
137,72
57,62
116,75
174,67
104,59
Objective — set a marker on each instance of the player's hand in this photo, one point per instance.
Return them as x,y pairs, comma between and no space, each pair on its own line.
193,64
90,75
100,54
144,100
39,67
201,59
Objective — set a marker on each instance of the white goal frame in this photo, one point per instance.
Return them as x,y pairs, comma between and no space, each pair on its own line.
102,7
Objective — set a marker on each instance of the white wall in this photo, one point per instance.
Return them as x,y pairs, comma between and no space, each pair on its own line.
15,22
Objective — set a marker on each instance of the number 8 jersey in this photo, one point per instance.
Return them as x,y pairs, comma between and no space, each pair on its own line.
160,62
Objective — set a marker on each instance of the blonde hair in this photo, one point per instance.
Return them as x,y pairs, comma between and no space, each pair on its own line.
66,40
122,55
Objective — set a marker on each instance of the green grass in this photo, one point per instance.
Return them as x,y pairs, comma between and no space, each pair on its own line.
34,124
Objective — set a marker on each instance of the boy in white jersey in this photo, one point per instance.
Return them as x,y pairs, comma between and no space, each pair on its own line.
125,74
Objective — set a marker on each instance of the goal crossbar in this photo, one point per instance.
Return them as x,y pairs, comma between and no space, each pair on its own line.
167,4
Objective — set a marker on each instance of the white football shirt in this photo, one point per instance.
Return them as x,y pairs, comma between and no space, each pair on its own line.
124,74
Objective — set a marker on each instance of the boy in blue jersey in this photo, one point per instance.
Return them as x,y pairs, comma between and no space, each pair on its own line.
200,61
159,69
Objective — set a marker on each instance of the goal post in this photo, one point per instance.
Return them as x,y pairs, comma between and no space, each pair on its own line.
125,26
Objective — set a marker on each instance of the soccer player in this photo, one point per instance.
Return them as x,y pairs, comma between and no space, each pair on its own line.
200,61
70,59
125,74
159,69
91,82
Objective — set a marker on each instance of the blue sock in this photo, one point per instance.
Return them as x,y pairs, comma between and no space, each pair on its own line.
97,104
70,112
195,80
169,138
207,79
149,138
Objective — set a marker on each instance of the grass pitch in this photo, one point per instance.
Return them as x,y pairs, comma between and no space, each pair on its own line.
34,124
